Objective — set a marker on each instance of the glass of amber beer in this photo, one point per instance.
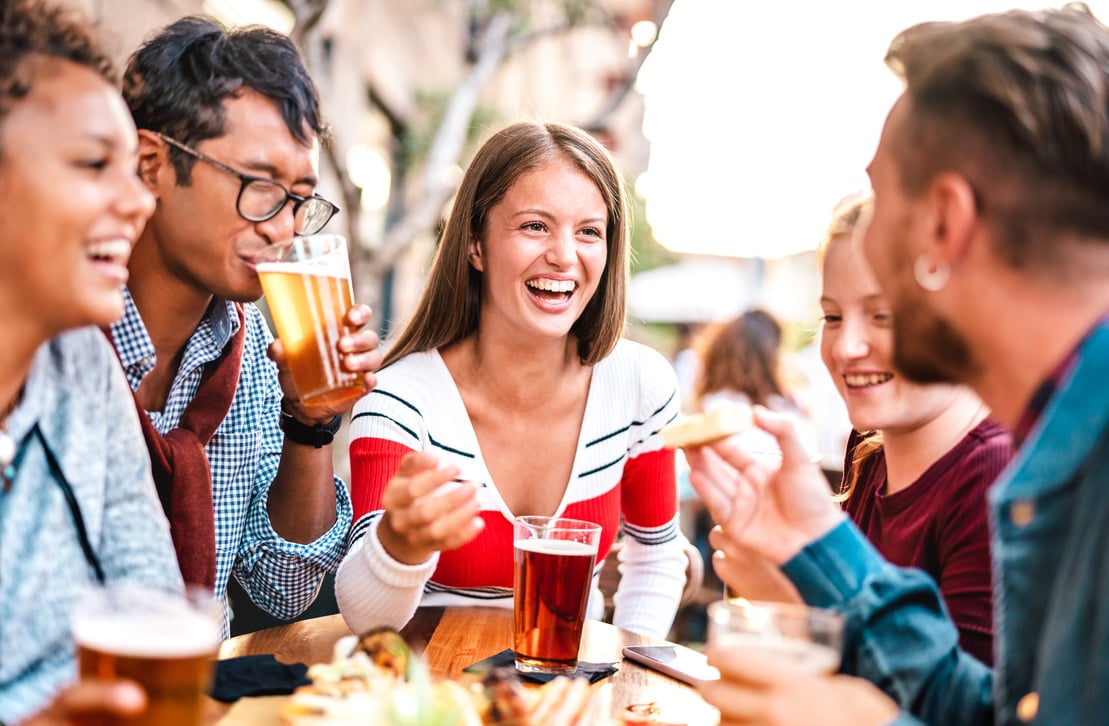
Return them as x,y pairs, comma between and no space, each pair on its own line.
308,289
165,641
807,638
554,560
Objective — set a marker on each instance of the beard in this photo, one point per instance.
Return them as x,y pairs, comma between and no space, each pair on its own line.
927,349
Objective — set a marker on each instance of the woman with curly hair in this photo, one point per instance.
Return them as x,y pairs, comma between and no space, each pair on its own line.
78,505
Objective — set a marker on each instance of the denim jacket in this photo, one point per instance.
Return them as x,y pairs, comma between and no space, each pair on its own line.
1050,545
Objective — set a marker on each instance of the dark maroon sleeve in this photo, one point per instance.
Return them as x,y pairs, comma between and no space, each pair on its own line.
964,543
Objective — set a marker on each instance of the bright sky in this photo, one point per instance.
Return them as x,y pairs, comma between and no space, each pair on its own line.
762,116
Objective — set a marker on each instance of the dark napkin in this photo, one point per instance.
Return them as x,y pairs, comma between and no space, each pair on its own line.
593,671
256,675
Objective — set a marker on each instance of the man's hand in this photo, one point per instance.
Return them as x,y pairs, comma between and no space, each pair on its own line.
358,353
749,574
420,519
772,508
100,698
760,691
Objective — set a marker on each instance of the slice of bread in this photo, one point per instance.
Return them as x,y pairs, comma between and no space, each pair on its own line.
703,428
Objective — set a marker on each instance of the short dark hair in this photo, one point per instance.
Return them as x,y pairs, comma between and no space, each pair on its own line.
451,304
177,81
1018,104
32,29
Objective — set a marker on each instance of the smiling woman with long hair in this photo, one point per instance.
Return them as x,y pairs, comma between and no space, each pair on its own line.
512,376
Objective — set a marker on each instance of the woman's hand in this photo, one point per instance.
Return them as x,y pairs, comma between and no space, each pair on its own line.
427,510
772,508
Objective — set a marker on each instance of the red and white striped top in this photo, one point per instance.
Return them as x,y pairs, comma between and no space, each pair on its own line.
620,472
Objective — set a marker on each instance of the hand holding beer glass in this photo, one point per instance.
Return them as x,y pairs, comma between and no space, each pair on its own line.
797,636
308,289
778,663
554,559
165,641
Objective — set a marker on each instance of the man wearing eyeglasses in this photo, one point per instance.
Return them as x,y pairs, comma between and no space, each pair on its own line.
229,132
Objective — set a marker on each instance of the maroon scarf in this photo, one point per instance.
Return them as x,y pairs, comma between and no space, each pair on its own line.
180,465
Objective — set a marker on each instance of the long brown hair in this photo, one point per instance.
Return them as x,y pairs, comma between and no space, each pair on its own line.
450,307
742,355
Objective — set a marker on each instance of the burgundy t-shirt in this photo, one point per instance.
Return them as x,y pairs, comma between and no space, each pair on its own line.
939,524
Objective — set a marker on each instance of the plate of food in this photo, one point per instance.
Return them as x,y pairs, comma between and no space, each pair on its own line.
376,680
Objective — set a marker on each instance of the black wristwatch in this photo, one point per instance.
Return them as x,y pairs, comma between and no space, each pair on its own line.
318,436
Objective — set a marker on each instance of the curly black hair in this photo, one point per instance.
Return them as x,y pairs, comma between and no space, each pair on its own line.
32,29
177,81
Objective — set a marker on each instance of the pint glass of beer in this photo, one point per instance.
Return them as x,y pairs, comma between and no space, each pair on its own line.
308,289
806,638
553,569
165,641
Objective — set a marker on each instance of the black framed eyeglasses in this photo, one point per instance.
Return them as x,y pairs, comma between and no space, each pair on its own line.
261,198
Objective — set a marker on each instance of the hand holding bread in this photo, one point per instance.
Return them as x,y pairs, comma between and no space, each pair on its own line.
704,428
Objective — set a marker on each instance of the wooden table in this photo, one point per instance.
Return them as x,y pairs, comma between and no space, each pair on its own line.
450,639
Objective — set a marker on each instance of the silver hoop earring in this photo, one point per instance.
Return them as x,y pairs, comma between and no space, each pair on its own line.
932,280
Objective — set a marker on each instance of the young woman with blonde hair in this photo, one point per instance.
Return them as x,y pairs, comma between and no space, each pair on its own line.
921,457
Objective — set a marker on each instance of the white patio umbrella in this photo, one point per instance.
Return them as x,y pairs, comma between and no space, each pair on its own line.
696,290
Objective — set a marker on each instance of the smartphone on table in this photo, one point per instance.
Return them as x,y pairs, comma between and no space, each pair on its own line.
676,661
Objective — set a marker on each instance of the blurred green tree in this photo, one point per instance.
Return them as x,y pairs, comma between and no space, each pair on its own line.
438,132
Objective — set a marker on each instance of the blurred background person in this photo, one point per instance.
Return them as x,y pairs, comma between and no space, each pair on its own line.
687,363
513,376
921,457
741,362
77,505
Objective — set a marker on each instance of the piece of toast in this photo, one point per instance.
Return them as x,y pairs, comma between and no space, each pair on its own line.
703,428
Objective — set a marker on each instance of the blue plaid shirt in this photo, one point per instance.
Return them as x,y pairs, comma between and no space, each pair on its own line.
282,577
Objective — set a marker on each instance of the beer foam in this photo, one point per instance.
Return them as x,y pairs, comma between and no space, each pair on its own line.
187,635
555,547
315,269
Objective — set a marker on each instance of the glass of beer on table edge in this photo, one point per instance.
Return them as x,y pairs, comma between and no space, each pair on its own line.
552,573
807,638
165,641
308,289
